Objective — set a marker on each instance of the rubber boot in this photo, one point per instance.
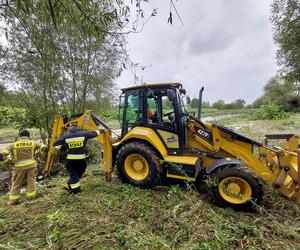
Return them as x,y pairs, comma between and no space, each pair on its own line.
74,190
13,202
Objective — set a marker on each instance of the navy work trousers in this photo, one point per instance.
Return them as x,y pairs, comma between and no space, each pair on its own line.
75,169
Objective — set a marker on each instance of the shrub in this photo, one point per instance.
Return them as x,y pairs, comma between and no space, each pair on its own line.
94,151
270,112
11,117
111,114
218,104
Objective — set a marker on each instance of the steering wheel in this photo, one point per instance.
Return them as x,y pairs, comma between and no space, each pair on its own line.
169,113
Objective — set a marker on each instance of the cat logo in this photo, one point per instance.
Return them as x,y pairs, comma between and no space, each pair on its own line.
171,139
204,134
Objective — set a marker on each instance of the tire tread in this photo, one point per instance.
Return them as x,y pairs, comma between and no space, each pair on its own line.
257,186
154,159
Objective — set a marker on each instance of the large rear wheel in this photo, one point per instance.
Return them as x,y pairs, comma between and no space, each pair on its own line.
235,186
138,164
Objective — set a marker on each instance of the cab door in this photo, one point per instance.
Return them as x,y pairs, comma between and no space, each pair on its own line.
130,113
162,115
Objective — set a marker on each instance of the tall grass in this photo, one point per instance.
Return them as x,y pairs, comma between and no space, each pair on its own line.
119,216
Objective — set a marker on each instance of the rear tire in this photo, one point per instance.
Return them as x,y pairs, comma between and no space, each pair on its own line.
235,186
139,165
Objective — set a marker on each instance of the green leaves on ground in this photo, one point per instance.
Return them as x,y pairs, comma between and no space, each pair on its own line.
119,216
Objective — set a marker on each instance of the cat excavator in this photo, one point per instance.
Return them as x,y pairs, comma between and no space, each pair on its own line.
159,139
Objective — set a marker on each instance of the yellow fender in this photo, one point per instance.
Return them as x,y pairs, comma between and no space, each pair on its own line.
144,134
148,135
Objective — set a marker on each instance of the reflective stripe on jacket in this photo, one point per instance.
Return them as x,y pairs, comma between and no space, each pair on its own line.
75,143
23,152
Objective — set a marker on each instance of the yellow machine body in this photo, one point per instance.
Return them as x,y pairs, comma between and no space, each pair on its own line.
195,145
276,166
149,136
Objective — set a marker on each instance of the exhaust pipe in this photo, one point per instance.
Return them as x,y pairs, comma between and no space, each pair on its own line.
200,103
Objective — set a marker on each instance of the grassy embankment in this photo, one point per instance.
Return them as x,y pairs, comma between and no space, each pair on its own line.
118,216
9,134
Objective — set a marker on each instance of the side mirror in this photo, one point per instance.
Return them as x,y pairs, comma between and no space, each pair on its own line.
121,101
182,91
188,100
171,94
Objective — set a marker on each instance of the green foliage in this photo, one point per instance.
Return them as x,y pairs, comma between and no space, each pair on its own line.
166,104
11,117
194,104
119,216
285,18
218,104
280,92
258,102
270,112
54,223
205,104
237,104
2,89
111,114
61,58
94,151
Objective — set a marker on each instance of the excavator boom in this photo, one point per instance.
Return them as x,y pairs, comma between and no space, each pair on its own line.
276,166
86,121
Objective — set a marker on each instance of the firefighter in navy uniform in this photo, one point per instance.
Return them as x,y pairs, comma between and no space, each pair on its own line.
76,152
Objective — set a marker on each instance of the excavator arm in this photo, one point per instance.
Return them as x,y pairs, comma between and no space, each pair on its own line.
86,121
278,167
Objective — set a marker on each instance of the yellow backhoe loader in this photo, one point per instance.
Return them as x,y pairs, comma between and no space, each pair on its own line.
160,139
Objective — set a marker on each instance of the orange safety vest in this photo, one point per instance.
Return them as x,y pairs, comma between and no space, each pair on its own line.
150,113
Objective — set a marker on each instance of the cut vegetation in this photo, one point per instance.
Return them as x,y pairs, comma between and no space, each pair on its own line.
119,216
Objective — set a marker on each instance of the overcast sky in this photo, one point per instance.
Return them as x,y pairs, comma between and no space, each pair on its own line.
224,45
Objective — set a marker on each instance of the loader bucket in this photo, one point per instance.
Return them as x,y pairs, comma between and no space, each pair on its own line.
284,162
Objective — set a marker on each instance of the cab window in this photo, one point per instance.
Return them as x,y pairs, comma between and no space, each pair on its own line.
160,110
132,114
121,109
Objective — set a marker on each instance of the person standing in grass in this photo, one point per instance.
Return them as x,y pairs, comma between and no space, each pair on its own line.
24,168
74,142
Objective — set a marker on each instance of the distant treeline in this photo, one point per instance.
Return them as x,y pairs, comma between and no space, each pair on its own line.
278,92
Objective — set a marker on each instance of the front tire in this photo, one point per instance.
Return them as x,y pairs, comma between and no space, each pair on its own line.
235,186
139,165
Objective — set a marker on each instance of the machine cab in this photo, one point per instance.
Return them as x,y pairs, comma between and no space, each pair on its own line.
155,106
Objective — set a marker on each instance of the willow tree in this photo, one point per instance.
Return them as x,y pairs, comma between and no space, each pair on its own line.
62,54
286,26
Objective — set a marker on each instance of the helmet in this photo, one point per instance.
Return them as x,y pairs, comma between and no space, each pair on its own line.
24,133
